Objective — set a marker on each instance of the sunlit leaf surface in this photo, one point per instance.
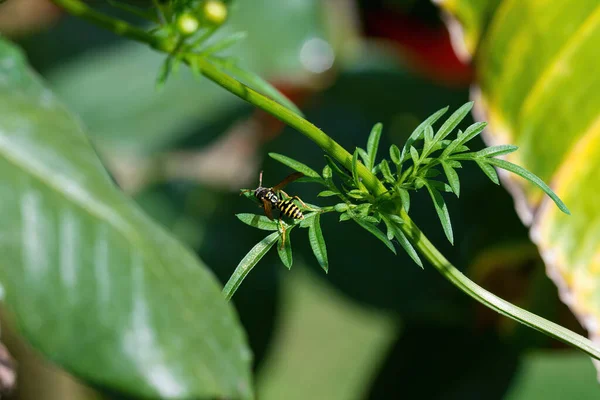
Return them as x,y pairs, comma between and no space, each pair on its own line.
538,86
90,281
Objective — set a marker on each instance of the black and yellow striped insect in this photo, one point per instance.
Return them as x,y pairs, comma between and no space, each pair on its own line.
271,199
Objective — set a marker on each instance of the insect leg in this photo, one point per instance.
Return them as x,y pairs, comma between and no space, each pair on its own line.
282,233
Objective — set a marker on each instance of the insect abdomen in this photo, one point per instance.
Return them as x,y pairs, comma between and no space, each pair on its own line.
289,209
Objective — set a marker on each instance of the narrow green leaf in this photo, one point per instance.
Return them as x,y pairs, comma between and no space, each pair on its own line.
362,209
327,172
441,186
495,151
317,242
336,168
418,132
305,223
369,218
471,132
363,154
285,253
248,262
327,193
355,168
385,170
258,221
357,194
431,173
373,145
395,154
428,135
164,72
452,177
442,211
404,198
224,43
402,239
390,230
522,172
488,170
295,165
376,232
256,82
414,154
397,220
453,121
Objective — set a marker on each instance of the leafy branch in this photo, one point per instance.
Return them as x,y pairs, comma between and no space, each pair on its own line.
426,155
366,185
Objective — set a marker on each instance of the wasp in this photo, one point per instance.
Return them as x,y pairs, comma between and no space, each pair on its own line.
270,199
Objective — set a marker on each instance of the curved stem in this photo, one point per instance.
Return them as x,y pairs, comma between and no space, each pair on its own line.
419,240
490,300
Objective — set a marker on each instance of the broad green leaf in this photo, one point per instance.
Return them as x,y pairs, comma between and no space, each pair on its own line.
248,262
442,211
539,91
395,154
376,232
138,312
295,165
258,221
468,22
373,145
452,178
285,251
488,170
317,242
394,227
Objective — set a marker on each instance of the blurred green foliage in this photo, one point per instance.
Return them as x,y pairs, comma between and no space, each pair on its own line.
375,327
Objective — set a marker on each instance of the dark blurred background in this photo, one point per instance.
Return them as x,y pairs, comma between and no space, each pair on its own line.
377,326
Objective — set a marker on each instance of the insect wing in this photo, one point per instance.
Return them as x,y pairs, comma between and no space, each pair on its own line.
267,206
290,178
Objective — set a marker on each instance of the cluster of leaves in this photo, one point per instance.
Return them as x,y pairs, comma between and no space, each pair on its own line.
193,27
424,161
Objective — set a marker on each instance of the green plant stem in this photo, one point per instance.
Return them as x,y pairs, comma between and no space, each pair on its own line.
337,152
490,300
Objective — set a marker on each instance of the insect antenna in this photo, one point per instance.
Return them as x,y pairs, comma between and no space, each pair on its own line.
260,179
